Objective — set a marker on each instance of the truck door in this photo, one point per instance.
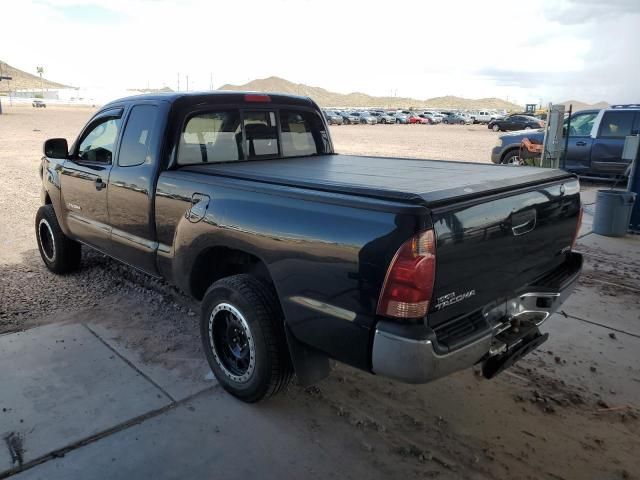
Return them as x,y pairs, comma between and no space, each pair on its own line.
132,188
606,153
579,144
84,180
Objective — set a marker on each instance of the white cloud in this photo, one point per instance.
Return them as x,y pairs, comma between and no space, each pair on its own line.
524,51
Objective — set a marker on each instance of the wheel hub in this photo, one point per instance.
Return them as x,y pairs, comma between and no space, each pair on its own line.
231,342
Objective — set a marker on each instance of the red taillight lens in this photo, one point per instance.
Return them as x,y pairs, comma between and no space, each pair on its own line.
257,97
579,224
408,287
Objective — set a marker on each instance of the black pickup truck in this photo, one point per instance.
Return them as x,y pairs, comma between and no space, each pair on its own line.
409,269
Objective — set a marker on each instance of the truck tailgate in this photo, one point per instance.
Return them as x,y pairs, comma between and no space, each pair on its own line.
489,248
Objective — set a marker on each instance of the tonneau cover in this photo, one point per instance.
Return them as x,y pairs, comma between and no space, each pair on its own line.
430,182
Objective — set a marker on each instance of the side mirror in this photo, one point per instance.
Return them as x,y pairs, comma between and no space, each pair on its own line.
56,148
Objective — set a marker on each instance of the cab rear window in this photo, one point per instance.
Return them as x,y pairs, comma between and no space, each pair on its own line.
234,135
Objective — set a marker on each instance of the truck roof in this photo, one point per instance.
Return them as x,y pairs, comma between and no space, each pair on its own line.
218,96
428,182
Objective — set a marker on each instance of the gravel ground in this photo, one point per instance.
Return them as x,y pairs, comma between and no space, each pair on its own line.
534,421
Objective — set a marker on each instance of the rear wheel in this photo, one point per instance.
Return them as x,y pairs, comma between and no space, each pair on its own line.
59,253
462,122
242,334
446,122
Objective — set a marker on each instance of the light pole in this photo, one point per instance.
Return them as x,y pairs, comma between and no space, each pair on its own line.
40,71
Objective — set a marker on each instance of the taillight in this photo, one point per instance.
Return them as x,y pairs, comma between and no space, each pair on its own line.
578,225
257,97
408,286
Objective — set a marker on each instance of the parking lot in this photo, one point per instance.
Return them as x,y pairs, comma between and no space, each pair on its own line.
104,377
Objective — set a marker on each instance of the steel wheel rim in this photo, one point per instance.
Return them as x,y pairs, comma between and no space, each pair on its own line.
47,243
231,342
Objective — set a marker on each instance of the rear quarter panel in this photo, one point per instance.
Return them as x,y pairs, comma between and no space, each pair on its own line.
327,254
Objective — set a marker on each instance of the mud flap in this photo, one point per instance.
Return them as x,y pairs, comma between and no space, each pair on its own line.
309,365
494,365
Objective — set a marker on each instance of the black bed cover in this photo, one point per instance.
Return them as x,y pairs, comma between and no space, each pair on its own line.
430,182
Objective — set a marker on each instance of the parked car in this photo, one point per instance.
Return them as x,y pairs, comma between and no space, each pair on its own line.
400,117
416,118
383,117
38,104
432,117
595,141
333,117
484,116
297,256
349,118
515,122
457,118
366,118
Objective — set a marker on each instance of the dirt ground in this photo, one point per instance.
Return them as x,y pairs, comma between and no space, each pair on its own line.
552,416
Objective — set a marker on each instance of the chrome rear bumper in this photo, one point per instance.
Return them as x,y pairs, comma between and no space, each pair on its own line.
412,354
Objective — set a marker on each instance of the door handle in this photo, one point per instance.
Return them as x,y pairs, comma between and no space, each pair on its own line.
581,144
100,184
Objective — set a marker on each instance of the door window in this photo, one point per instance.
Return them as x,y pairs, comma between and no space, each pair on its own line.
136,139
99,143
581,124
616,124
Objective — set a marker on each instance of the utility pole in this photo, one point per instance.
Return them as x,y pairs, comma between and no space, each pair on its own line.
187,83
40,71
211,81
178,81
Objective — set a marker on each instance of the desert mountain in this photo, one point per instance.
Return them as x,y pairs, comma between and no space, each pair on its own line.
326,98
577,105
23,81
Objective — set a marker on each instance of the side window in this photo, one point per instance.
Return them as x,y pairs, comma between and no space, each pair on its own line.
261,134
211,137
136,140
616,124
99,143
298,130
581,124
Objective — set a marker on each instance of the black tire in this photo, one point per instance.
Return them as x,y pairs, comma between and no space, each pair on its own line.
59,253
527,127
495,127
462,122
512,157
398,121
446,122
249,307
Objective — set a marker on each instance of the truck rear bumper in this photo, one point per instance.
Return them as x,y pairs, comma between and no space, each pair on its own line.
412,354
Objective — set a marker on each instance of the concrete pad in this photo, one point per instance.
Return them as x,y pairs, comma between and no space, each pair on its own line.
623,250
617,312
60,384
216,436
581,346
173,381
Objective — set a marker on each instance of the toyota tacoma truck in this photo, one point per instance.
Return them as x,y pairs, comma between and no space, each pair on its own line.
408,269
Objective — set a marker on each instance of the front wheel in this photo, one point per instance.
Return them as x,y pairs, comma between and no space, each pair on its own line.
495,128
242,333
527,127
512,158
462,122
59,253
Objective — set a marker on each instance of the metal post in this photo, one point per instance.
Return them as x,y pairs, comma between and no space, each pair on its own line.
566,138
